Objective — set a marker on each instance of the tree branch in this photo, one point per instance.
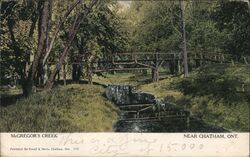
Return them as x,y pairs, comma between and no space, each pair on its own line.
59,25
75,27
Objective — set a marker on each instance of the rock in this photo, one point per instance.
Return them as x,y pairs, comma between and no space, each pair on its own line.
125,94
142,98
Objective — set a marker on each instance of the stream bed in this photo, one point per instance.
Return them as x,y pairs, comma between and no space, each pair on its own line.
142,112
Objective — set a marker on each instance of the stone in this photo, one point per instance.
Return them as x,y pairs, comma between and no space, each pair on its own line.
126,94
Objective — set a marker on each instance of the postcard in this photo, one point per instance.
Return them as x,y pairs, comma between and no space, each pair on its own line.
150,78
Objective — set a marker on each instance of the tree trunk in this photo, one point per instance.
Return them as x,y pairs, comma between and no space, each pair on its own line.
184,46
74,72
155,75
42,35
41,68
79,60
28,81
43,25
59,25
172,67
26,87
23,70
79,73
89,73
64,75
40,75
155,71
72,34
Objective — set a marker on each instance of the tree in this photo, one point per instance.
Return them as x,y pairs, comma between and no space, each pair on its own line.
13,13
99,36
43,37
18,25
233,19
184,46
72,33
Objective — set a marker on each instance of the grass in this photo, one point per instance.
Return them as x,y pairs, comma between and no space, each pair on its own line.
71,108
219,94
134,79
118,78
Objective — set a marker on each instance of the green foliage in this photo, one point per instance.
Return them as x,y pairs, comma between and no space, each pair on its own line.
100,35
64,109
211,26
233,19
234,117
213,93
16,44
205,37
104,27
155,26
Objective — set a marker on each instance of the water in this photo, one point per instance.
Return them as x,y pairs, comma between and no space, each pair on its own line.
142,112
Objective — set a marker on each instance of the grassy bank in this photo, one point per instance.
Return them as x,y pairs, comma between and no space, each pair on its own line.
219,94
73,108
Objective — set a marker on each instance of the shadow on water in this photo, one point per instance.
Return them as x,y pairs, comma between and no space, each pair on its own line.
142,112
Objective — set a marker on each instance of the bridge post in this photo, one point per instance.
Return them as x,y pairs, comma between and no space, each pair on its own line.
113,66
155,74
245,60
178,66
155,70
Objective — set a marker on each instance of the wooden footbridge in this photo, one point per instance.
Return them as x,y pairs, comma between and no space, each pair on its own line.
153,60
129,61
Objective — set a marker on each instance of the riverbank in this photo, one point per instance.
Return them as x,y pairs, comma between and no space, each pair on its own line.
219,94
71,108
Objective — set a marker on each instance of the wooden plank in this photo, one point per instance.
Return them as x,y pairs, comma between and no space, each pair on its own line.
119,69
143,118
145,65
142,53
123,63
129,111
137,105
132,61
146,108
130,119
151,118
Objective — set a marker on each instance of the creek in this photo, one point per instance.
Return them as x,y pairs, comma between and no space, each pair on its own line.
143,112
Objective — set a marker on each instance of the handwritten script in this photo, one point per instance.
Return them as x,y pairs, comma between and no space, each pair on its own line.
123,145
